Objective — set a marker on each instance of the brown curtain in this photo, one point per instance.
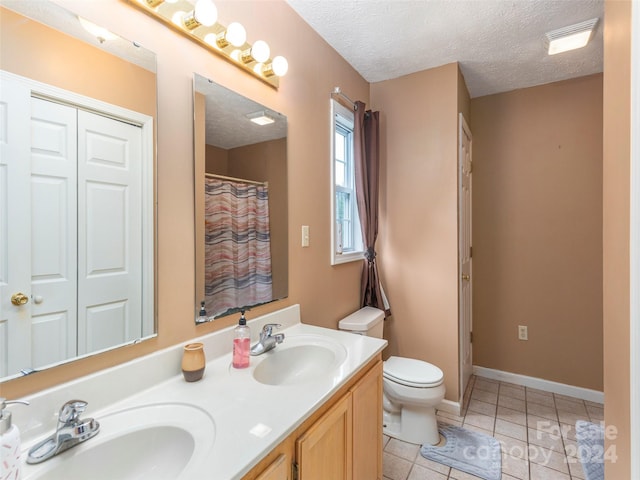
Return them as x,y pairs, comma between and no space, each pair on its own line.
366,159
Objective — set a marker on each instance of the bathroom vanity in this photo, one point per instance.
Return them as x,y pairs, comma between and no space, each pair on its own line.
311,407
341,440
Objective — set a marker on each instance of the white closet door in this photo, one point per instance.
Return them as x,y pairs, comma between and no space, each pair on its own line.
109,226
15,268
53,232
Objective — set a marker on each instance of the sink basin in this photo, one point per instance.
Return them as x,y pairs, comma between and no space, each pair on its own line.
300,359
160,441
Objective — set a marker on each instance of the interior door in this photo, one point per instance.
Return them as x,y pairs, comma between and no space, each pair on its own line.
53,152
465,254
15,206
109,226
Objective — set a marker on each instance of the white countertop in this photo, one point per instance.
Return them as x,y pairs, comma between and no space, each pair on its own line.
234,400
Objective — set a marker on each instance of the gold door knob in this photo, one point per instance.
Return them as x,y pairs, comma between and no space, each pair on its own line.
19,299
466,276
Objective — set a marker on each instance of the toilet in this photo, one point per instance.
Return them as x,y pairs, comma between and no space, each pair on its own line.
412,389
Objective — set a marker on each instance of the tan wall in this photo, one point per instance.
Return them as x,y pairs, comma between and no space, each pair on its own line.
46,55
267,162
616,228
325,293
537,223
418,235
217,160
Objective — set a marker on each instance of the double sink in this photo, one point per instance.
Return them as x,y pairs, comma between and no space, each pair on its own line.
164,434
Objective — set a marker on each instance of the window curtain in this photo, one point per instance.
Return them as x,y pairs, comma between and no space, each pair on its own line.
237,245
366,151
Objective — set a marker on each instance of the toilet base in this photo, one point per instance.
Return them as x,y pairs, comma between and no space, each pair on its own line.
413,425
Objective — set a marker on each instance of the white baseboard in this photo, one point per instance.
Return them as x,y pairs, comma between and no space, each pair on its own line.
450,407
541,384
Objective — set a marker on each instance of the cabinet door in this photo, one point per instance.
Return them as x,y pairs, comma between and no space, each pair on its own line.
324,451
278,470
367,425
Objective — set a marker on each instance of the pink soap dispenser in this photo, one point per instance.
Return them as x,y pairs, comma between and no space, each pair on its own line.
241,343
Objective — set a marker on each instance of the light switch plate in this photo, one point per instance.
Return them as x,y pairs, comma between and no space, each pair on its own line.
305,235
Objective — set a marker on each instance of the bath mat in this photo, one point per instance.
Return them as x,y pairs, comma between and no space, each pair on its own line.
468,451
590,437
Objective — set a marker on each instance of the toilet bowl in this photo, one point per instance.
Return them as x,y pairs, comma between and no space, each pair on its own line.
411,388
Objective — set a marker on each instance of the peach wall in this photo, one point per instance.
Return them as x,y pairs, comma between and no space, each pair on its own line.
106,77
537,241
325,293
418,236
616,230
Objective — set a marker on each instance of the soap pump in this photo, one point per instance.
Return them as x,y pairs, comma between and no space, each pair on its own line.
10,441
241,343
202,316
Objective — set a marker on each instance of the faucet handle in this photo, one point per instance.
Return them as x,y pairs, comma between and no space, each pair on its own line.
71,410
268,328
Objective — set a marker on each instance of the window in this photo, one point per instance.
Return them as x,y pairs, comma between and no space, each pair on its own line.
346,244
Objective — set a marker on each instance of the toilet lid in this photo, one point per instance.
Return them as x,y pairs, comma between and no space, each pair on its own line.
412,372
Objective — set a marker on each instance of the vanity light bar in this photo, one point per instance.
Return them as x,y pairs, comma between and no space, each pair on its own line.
198,21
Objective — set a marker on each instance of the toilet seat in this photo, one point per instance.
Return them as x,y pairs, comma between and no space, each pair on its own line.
412,372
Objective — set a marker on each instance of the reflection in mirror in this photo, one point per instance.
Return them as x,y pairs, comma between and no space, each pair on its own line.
240,201
77,166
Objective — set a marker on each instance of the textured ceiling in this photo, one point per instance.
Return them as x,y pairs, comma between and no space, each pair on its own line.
227,125
500,44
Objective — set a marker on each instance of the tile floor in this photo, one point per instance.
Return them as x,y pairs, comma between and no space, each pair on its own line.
535,428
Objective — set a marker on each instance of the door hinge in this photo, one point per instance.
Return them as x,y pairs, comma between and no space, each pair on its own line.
470,252
294,471
470,167
470,337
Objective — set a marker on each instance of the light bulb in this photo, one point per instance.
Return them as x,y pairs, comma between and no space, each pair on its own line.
236,34
280,66
260,51
178,17
205,12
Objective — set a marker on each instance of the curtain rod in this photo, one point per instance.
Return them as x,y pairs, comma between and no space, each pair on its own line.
233,179
338,91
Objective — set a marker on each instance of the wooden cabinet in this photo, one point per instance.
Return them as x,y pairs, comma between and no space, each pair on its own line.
324,451
366,398
342,440
277,470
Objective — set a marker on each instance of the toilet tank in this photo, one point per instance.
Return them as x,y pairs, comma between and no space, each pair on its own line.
366,321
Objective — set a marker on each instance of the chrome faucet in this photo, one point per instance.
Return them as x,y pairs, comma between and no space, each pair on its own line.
267,340
71,431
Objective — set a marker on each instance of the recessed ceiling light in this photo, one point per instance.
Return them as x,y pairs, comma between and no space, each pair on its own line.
571,37
261,118
102,34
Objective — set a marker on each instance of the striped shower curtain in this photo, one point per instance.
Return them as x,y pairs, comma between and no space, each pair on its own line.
237,245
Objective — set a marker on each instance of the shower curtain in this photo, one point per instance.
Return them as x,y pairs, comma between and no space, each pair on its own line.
237,245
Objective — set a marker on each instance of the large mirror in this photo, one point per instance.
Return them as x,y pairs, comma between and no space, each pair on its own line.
240,201
78,112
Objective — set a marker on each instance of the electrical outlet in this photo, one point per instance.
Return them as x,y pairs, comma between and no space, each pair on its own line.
523,333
